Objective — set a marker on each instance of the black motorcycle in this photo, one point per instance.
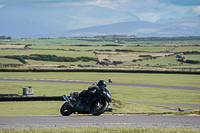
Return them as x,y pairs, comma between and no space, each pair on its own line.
95,103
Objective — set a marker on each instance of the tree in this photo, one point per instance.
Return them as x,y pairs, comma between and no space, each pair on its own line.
4,37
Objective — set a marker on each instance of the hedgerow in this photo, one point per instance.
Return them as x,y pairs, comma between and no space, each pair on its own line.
55,58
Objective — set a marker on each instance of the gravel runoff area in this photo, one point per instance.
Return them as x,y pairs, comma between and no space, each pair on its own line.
105,120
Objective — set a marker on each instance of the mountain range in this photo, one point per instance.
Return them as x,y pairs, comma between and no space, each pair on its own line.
19,21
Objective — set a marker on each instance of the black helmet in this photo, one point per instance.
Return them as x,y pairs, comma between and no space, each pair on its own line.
101,83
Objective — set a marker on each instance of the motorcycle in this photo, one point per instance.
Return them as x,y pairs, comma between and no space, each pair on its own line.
95,103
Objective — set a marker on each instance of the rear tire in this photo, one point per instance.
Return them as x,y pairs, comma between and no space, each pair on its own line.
65,110
99,107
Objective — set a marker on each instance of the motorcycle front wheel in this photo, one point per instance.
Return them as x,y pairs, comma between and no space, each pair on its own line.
99,107
65,110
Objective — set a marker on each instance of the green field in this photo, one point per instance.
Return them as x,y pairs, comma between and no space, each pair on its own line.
192,57
187,48
150,48
103,40
137,78
167,61
46,52
9,61
49,64
128,53
109,51
125,94
81,48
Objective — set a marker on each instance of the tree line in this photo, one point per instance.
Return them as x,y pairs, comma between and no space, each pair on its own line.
23,58
4,37
120,39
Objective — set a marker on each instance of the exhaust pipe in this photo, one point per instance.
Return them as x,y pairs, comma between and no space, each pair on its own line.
67,100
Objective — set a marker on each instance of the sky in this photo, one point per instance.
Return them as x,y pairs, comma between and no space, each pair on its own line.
146,10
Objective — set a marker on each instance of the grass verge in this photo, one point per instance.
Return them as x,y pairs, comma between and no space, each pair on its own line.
104,130
36,108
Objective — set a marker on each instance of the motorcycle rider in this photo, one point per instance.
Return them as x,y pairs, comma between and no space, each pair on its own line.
94,100
93,88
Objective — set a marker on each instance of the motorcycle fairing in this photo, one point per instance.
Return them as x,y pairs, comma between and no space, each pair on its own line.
86,102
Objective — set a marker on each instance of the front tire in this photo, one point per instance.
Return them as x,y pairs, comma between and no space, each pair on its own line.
99,107
65,110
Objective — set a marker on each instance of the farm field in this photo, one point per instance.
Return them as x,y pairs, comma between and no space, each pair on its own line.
181,53
46,52
106,40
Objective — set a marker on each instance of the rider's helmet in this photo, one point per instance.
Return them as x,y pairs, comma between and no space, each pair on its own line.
101,83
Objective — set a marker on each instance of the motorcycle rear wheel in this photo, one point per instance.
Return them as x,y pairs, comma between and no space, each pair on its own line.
99,107
65,110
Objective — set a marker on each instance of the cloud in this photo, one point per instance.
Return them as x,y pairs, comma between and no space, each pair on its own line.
184,2
153,10
2,6
101,3
148,10
197,9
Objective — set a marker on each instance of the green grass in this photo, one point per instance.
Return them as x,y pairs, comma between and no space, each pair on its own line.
171,60
168,62
82,48
58,45
125,94
192,57
66,47
187,48
51,52
150,49
9,61
33,108
11,46
132,108
142,41
141,94
41,88
57,41
185,66
137,78
125,56
105,130
46,63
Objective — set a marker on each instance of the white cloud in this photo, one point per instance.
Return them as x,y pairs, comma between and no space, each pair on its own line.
153,10
148,10
108,3
197,9
2,6
102,3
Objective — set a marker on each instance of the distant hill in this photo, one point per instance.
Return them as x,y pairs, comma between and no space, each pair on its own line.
20,21
162,28
122,28
27,21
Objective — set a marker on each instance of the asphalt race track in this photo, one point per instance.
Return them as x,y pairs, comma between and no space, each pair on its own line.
192,121
90,82
100,121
